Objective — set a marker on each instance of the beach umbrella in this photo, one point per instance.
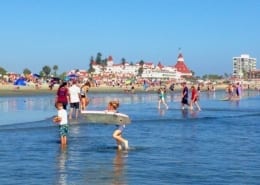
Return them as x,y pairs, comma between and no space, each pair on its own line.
72,77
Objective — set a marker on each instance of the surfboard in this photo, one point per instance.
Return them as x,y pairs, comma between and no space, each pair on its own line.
224,99
105,117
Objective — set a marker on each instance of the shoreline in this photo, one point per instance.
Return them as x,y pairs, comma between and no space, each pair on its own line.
12,90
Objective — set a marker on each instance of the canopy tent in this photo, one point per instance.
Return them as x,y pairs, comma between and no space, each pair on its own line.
71,77
36,75
20,82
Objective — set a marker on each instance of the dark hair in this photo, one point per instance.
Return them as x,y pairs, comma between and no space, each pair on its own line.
63,84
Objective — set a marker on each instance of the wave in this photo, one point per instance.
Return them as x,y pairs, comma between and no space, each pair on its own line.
186,117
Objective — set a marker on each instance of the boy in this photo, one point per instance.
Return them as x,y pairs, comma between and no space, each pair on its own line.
62,120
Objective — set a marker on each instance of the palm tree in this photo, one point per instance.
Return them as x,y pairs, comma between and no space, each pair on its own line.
55,69
46,70
2,72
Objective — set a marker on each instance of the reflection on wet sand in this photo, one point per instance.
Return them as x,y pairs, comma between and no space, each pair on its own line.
61,165
118,171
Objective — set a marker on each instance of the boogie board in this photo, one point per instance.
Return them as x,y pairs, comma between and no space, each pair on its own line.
93,116
224,99
230,99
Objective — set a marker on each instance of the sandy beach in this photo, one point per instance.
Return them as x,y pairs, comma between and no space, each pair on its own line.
12,90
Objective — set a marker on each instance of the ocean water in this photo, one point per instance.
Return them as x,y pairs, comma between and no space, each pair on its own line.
218,145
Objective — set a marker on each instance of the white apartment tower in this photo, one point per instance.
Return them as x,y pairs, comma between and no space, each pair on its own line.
242,65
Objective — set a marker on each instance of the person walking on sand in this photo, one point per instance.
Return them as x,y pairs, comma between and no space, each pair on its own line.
185,95
74,99
194,98
117,134
62,120
162,97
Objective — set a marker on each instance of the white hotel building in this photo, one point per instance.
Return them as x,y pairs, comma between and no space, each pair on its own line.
150,70
243,65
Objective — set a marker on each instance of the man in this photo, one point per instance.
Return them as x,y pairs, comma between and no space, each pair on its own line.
185,95
74,97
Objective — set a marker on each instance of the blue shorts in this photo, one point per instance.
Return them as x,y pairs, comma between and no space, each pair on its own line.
64,130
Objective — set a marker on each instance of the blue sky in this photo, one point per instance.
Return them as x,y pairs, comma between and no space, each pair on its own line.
34,33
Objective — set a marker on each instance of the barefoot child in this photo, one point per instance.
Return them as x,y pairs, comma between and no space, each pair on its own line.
194,98
162,97
117,135
62,120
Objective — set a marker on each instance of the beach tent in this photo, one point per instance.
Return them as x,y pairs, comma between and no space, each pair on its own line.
20,82
36,75
71,77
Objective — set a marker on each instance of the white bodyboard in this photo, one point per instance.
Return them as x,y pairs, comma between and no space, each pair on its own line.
93,116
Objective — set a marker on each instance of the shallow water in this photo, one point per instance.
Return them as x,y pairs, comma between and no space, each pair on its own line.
219,145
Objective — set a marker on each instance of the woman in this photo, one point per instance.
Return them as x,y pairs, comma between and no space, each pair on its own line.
83,95
62,95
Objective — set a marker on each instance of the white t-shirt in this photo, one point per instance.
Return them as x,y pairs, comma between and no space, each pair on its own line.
74,92
64,116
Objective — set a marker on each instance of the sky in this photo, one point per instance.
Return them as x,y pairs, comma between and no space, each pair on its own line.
67,33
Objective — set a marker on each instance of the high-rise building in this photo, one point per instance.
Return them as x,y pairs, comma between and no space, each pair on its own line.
243,65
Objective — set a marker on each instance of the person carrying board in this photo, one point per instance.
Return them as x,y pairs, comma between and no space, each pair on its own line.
117,134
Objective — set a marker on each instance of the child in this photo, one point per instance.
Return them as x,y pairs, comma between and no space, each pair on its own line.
162,97
194,98
62,120
117,135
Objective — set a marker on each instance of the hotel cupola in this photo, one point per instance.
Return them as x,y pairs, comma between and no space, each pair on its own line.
181,66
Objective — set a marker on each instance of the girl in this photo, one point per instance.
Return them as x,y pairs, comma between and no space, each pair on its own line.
162,97
194,98
117,134
83,95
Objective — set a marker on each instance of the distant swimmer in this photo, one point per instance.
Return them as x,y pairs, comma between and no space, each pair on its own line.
238,90
233,92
